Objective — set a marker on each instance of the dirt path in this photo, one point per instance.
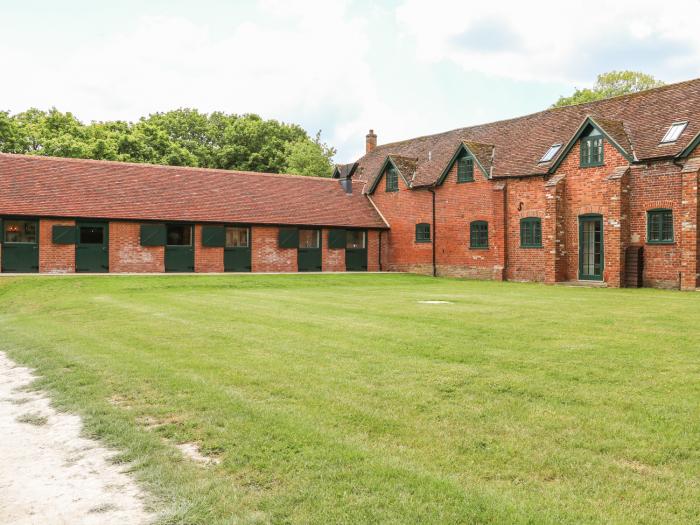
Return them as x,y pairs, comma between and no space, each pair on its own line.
49,475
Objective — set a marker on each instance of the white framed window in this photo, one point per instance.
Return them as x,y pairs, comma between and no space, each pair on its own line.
551,152
674,132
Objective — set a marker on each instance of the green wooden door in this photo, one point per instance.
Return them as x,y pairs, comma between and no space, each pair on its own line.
179,248
309,251
237,252
92,247
20,246
356,251
591,255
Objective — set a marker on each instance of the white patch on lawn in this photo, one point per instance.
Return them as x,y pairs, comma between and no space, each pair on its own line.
191,451
435,302
48,473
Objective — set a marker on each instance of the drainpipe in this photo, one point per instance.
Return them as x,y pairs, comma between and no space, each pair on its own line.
380,249
432,191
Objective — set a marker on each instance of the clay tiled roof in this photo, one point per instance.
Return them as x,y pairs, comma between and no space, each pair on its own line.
54,187
637,122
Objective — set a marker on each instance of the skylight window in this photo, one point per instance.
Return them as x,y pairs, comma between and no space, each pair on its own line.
551,152
674,132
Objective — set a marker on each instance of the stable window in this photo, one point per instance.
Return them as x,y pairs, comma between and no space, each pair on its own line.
237,237
179,235
479,234
309,238
92,235
674,132
531,232
355,239
20,232
423,232
392,179
592,149
660,226
465,169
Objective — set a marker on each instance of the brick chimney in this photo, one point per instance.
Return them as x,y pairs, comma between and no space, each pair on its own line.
370,141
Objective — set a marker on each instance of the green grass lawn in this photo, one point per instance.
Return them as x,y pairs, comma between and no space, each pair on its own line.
342,399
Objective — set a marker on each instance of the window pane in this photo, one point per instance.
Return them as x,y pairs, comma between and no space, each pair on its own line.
423,232
179,235
236,237
355,239
20,231
309,238
91,235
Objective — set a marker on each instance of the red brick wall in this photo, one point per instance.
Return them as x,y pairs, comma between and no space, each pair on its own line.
267,256
457,205
332,260
656,186
404,209
55,258
206,259
126,253
525,198
588,192
373,250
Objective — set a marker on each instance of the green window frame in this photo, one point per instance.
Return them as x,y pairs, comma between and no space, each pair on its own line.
660,227
592,151
423,232
479,234
465,169
392,179
531,232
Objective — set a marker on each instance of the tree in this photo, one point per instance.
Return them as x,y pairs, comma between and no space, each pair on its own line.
184,137
611,84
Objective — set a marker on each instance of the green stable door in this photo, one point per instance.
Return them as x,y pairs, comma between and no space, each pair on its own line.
20,246
179,248
237,254
591,248
309,251
92,247
356,251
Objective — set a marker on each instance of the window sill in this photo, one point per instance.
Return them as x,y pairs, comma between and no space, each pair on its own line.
660,243
539,247
423,242
479,248
464,181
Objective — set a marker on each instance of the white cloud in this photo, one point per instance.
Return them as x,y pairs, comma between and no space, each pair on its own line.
555,41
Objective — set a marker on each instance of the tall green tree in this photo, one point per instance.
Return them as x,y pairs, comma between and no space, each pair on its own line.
183,137
611,84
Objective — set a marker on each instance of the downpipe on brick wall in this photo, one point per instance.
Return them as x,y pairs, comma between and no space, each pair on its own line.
432,190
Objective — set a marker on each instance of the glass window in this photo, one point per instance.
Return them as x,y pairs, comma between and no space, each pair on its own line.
20,232
237,237
92,235
674,132
551,152
531,232
465,169
660,226
179,235
592,150
309,238
479,234
355,239
392,179
423,232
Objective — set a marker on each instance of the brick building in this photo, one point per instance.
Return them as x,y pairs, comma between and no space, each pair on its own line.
605,191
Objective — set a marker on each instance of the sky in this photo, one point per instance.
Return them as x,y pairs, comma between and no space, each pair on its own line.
404,68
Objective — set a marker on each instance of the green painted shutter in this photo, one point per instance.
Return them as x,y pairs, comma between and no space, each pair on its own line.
63,234
289,238
213,236
153,235
336,239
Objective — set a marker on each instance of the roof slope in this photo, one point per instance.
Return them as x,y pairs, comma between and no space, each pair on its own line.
638,121
57,187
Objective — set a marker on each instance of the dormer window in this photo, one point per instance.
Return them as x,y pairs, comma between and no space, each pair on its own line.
592,149
551,152
392,179
674,132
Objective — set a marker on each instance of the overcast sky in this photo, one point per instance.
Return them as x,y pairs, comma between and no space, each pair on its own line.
403,67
